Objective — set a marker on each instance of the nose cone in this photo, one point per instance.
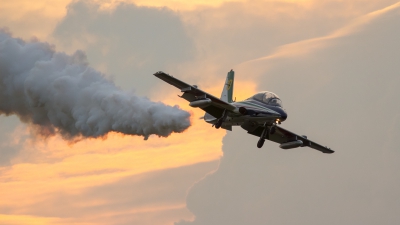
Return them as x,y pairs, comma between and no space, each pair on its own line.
283,115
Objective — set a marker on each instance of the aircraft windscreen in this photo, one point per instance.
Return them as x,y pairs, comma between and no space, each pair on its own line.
275,102
268,98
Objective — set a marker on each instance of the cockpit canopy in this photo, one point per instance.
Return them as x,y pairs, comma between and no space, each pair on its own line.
267,98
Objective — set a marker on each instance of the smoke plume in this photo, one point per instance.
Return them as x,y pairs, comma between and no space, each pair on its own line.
61,94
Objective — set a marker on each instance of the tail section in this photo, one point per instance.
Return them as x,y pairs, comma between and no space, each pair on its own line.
226,96
227,92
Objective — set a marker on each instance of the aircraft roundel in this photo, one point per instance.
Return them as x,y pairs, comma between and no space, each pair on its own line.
230,83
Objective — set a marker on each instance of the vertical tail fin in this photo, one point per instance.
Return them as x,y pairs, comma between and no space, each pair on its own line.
227,92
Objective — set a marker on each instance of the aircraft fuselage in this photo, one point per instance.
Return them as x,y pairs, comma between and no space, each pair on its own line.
253,111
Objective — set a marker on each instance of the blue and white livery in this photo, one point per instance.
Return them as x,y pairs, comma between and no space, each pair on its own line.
259,115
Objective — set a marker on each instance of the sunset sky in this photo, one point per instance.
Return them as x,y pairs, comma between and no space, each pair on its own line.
335,65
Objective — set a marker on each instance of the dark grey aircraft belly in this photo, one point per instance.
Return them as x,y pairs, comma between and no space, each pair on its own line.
238,121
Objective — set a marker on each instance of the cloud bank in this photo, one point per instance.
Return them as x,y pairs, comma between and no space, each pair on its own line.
128,41
60,93
335,89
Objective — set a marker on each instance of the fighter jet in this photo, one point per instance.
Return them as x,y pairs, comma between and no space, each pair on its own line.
259,115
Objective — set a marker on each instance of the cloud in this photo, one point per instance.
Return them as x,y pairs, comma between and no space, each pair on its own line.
9,146
342,94
127,41
29,19
239,31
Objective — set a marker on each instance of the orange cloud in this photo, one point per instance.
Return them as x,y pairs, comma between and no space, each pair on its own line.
36,220
182,4
195,4
27,18
32,18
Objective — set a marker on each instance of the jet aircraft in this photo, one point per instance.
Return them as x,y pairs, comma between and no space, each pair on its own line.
259,115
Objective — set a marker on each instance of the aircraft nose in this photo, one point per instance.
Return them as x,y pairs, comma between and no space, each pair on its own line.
283,116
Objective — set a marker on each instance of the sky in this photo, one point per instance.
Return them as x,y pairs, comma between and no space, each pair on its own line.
333,63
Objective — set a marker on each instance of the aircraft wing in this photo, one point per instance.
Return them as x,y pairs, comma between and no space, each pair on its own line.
282,136
192,93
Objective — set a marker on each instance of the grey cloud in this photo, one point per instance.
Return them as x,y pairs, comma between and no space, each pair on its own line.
132,42
59,93
6,154
239,31
343,94
8,150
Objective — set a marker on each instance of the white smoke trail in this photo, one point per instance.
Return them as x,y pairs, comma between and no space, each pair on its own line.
62,94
